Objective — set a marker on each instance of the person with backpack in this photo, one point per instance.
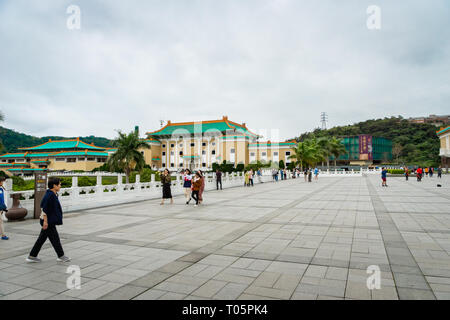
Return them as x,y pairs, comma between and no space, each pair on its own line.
3,208
51,216
439,171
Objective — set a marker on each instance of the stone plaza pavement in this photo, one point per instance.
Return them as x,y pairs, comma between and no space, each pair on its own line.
284,240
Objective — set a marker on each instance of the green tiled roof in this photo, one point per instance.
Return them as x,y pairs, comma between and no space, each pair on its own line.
191,127
13,155
156,159
443,130
14,164
27,169
63,144
235,137
188,157
281,144
38,155
40,161
81,153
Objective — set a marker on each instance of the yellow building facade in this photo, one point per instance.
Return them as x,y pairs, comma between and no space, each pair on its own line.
197,145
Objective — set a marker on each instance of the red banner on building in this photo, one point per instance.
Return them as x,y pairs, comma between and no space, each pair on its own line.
365,147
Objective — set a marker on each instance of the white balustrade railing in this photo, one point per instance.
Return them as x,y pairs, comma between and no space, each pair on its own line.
86,197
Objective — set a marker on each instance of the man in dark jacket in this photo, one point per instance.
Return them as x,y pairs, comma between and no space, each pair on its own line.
218,179
51,216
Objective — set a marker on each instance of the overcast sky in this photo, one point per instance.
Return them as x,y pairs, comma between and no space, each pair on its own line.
273,64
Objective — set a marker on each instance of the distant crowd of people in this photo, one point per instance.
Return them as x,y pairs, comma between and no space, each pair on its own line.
419,172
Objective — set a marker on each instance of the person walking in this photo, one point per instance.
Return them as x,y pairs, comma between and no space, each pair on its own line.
51,216
406,173
305,174
250,177
259,174
166,181
187,184
383,177
309,175
426,172
3,208
218,179
282,174
196,185
439,170
316,173
202,187
430,171
419,174
246,179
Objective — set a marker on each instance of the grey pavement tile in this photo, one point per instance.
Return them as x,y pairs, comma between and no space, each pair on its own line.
231,291
127,292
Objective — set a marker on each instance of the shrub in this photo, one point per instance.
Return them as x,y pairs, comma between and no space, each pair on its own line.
396,171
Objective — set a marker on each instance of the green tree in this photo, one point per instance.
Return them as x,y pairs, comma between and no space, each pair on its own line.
281,164
128,157
337,149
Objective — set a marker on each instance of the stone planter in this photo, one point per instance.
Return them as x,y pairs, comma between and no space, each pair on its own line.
16,212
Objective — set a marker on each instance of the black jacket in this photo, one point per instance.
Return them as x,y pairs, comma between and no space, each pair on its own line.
51,206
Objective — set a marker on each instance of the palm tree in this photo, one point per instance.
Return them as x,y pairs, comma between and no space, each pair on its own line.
128,157
337,149
305,153
325,145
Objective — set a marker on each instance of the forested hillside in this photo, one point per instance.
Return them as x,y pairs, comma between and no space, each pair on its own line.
13,140
413,143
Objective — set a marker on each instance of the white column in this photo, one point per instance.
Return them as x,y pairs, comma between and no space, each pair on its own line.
177,162
208,154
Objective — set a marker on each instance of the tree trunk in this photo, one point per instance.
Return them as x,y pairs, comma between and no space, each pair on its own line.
334,163
127,176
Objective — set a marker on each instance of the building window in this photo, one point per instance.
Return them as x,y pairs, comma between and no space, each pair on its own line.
232,150
181,145
71,160
213,143
172,153
264,154
275,153
20,160
181,153
192,144
142,152
172,145
203,165
288,153
213,152
204,144
88,159
3,160
81,159
163,145
203,152
181,164
163,153
60,159
101,159
172,165
163,164
252,154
